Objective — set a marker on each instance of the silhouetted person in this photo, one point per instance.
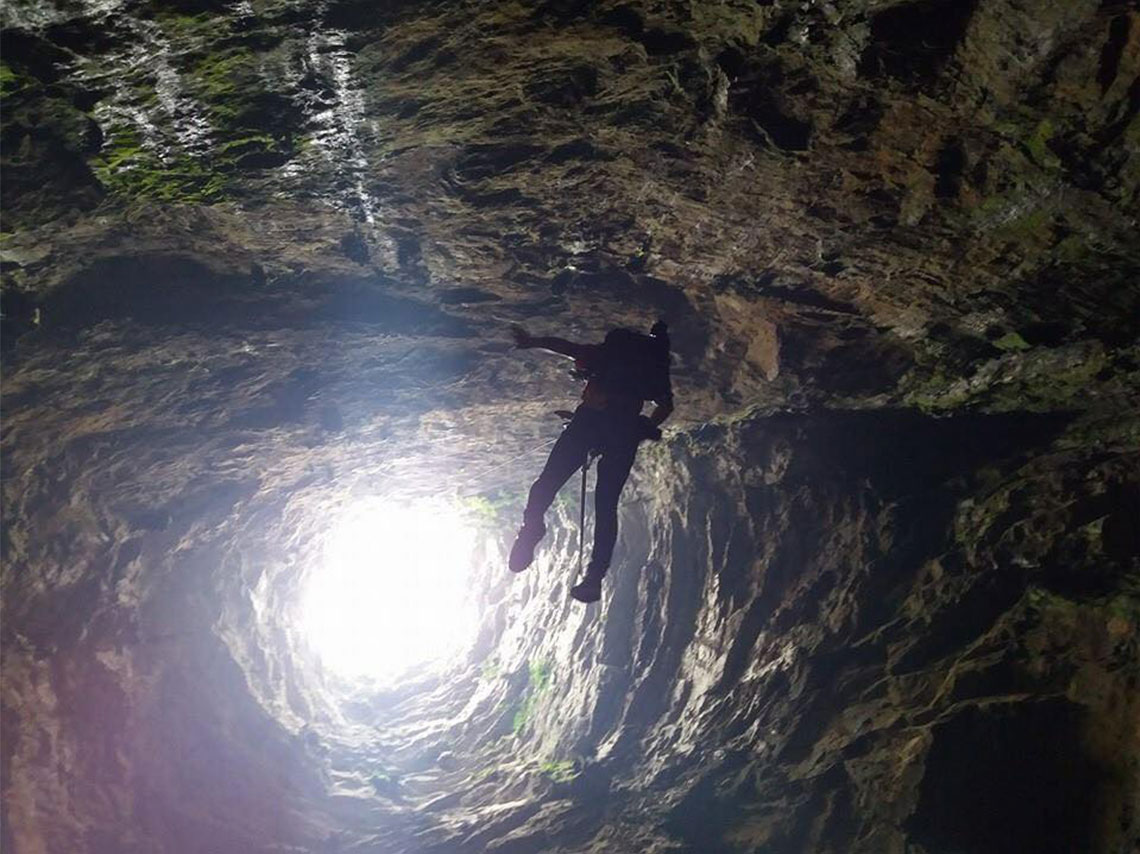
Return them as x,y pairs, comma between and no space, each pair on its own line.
622,372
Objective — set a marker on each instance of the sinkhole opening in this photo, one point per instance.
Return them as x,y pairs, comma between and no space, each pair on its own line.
393,594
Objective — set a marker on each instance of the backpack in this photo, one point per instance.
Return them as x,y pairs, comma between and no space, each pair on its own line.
635,365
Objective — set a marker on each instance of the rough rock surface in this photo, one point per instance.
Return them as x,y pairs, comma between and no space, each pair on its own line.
877,591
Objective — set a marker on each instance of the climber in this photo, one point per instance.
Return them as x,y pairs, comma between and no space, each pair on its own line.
621,373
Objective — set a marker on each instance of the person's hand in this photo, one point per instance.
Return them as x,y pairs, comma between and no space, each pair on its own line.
522,337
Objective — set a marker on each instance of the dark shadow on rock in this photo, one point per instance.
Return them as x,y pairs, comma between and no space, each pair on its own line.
714,803
564,88
367,15
366,301
577,149
900,451
912,42
290,402
19,315
920,464
1009,778
482,161
951,629
154,289
179,290
466,296
39,57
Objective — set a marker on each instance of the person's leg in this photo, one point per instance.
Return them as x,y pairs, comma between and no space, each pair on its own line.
613,471
618,452
566,457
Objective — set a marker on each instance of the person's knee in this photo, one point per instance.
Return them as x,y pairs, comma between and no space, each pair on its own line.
545,485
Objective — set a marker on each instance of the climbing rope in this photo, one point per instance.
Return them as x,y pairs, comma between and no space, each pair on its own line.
501,465
564,414
590,456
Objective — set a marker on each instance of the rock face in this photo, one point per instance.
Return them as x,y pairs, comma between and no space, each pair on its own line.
878,590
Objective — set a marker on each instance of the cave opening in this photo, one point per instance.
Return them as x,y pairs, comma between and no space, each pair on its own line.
393,590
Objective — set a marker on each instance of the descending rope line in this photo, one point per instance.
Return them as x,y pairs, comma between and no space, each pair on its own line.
582,512
590,457
494,468
565,415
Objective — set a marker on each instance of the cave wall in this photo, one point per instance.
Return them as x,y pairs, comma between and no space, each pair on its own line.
832,631
903,636
853,631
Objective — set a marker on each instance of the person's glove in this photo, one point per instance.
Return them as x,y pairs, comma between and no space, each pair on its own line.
649,430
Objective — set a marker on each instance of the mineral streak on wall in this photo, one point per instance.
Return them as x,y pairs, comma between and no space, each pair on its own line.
878,588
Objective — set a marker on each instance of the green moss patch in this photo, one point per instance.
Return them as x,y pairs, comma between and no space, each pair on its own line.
10,81
126,167
1011,341
495,507
560,770
1038,145
539,680
184,29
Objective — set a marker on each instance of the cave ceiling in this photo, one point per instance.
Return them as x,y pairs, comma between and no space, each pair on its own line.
318,220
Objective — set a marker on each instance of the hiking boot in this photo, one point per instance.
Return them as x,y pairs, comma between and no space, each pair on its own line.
590,588
522,552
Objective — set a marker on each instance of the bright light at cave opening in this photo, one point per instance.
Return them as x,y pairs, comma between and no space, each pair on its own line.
394,590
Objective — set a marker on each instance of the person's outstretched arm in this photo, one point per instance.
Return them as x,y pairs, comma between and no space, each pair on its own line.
525,341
